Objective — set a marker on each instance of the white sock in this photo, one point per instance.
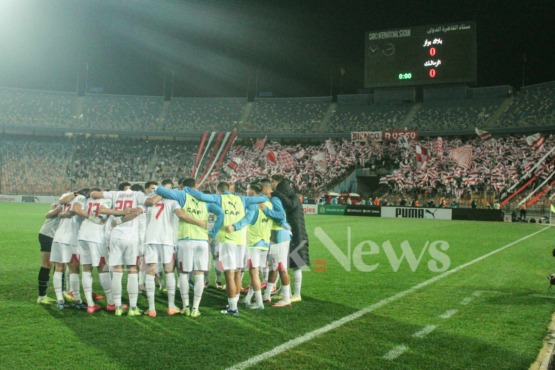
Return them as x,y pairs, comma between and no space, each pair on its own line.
170,284
150,286
298,281
286,291
258,297
199,288
74,285
106,284
133,289
268,290
116,287
265,272
249,295
235,301
232,303
184,288
57,283
87,287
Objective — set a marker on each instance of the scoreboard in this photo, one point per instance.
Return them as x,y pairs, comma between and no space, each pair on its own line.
423,55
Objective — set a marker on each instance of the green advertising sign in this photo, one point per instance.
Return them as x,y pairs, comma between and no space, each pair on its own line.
331,210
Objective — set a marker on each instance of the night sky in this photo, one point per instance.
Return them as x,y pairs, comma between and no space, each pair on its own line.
214,48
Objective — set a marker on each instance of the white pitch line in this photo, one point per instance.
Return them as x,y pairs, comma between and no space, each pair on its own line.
448,314
395,352
466,301
355,315
422,333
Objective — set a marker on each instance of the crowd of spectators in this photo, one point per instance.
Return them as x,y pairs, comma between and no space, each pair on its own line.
34,166
37,108
531,106
51,165
120,112
287,115
494,166
455,115
197,115
347,118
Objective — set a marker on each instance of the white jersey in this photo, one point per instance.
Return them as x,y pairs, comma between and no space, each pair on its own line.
122,200
69,227
161,223
90,231
50,226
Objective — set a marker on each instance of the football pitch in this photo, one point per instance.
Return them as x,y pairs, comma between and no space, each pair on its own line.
381,294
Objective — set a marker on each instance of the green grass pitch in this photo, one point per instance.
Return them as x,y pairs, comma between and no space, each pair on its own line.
489,314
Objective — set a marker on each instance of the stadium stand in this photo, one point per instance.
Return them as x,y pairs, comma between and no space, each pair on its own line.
39,165
455,115
532,106
37,108
354,117
113,112
186,114
287,115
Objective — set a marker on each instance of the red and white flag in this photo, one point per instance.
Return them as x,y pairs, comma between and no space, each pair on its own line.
438,146
259,144
462,155
232,166
404,142
320,161
271,157
421,157
330,147
536,142
484,135
287,161
297,153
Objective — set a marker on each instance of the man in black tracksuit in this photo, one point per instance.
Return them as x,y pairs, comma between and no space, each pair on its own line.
298,250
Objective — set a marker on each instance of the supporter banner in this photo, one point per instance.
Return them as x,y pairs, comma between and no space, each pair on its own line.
310,209
360,210
366,136
331,209
415,212
394,135
27,199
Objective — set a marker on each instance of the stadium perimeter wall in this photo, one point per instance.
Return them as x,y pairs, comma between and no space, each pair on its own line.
406,212
28,198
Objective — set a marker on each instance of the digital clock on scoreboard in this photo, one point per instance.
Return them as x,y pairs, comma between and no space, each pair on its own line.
421,55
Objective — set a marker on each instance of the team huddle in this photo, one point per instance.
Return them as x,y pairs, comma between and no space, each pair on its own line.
155,229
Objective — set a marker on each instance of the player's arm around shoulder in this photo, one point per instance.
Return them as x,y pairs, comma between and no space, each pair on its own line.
207,198
249,200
